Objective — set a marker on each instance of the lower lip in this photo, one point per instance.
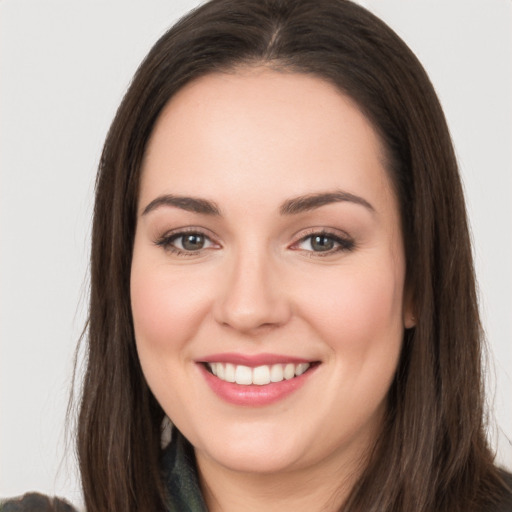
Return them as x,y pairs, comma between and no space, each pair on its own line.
254,395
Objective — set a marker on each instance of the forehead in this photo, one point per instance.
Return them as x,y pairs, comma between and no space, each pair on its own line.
259,129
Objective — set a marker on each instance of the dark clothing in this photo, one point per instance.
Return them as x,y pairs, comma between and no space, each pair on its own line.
506,504
180,477
34,502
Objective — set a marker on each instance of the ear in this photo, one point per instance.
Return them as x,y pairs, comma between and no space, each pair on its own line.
409,310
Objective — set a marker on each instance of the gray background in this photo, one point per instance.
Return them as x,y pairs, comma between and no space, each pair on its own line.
64,65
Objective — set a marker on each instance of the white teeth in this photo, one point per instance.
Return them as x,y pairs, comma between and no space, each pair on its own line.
260,375
289,371
243,375
276,373
230,372
301,368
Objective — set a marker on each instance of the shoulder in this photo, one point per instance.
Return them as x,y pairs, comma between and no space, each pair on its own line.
35,502
505,505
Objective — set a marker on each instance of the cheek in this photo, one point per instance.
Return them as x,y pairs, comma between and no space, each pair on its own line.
359,316
166,306
167,310
358,312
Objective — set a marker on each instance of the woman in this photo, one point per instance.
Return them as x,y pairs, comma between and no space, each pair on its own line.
278,205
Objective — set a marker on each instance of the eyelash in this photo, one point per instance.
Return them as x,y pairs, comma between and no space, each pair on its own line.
342,243
167,241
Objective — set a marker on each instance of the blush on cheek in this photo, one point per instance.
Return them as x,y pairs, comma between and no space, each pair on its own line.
162,316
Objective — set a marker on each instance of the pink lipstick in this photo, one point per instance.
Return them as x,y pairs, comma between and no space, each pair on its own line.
255,380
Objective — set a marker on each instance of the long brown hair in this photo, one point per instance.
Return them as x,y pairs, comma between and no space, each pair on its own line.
432,454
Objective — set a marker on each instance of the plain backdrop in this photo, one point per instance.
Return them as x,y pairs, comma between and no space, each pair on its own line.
64,66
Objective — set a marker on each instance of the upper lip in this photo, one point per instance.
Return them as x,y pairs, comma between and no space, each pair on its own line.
252,360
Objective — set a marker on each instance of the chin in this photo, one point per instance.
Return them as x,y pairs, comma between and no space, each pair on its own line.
256,450
252,460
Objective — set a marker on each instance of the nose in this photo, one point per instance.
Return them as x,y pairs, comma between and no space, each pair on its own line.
252,296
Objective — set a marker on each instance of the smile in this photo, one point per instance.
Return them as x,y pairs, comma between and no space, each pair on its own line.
255,381
260,375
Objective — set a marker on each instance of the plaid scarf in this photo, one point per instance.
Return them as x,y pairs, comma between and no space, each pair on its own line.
180,476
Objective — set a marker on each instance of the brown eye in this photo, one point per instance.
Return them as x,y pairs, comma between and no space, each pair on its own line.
185,243
327,243
322,243
192,241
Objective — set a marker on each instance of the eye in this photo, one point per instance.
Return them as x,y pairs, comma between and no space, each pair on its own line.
324,242
189,242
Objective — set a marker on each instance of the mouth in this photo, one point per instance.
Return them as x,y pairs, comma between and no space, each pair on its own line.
255,381
260,375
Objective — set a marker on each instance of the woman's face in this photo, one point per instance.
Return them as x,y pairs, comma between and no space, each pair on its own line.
268,251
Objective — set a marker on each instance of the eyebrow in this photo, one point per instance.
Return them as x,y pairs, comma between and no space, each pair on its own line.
311,201
289,207
190,204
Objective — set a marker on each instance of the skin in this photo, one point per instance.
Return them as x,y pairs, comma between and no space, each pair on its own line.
248,142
